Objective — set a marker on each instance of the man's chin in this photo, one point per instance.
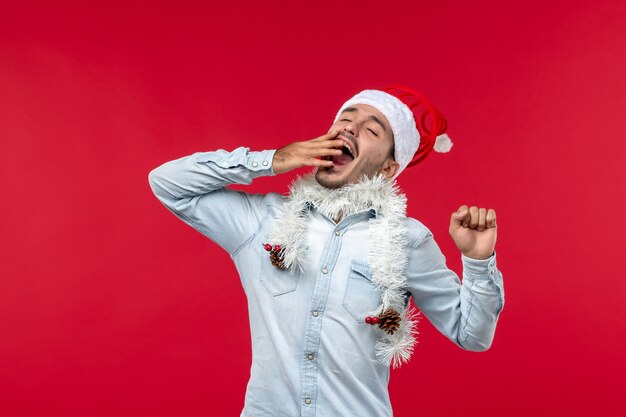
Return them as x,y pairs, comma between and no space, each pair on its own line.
332,178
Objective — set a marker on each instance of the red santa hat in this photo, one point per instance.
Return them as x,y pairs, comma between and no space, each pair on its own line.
418,127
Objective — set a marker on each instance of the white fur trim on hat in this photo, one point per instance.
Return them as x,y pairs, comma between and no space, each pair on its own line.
399,116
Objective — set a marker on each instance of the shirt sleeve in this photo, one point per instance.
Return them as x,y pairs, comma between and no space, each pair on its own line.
466,313
194,189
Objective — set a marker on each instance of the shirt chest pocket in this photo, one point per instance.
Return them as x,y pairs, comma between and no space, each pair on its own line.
361,296
275,280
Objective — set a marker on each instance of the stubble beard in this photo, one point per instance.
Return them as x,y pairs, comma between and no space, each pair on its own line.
324,181
352,177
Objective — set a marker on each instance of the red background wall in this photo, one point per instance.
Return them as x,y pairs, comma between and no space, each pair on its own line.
110,306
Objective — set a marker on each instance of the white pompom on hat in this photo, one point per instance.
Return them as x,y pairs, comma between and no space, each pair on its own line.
408,113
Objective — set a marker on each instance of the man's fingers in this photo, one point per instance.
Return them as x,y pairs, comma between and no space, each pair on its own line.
326,136
482,217
313,152
314,162
328,151
473,221
319,150
474,218
333,143
459,215
466,216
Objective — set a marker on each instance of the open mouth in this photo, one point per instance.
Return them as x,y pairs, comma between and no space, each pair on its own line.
345,158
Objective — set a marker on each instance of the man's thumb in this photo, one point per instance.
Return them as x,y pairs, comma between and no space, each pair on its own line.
459,215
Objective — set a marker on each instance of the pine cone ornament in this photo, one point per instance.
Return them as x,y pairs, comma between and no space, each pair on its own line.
389,321
276,255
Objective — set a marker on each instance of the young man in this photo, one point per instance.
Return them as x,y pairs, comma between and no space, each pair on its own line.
329,270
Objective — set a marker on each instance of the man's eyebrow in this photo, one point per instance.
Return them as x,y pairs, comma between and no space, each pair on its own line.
372,117
377,120
350,109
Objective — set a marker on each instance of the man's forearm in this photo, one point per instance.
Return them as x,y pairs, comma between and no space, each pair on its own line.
204,172
483,294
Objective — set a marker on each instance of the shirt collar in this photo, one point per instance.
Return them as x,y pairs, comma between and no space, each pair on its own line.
372,211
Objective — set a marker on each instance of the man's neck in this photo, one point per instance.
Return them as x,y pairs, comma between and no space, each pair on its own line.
339,217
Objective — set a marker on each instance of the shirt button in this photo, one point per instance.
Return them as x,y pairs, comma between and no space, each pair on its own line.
265,163
308,401
492,272
324,271
337,233
316,313
310,356
254,164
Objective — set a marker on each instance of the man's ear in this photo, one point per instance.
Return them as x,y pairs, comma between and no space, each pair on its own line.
389,168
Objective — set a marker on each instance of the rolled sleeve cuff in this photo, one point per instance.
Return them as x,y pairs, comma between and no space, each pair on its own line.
480,268
259,162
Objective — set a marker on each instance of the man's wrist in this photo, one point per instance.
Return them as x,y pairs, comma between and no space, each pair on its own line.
477,257
479,268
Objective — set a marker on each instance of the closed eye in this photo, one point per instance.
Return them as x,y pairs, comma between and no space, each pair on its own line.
374,133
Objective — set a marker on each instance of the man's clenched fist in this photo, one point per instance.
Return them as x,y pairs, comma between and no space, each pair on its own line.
474,231
306,153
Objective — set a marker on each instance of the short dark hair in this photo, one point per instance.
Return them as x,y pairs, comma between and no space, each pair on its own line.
393,148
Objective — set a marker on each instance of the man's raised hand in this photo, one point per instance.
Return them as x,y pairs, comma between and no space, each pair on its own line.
474,231
307,153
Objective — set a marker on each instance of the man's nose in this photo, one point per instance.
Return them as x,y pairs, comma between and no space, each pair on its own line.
351,129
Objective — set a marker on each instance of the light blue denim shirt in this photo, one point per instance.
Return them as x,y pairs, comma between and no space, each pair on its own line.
312,353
